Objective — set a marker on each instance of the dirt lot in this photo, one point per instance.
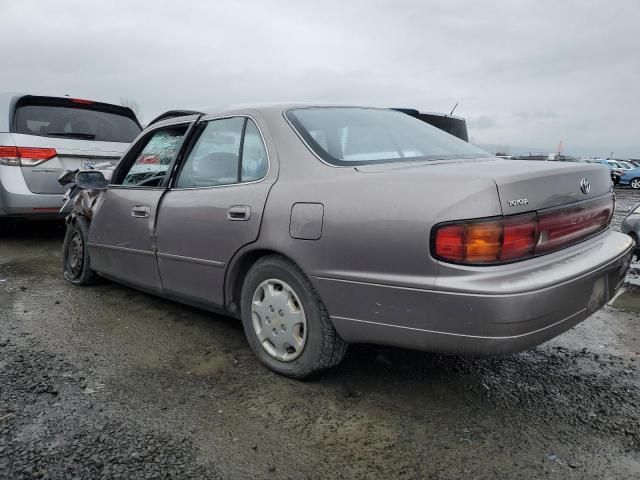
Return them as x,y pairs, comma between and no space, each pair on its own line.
106,382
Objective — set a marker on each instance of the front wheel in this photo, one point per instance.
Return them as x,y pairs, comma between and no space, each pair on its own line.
635,183
286,324
75,254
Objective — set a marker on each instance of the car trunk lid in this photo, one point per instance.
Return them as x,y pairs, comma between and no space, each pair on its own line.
71,154
522,186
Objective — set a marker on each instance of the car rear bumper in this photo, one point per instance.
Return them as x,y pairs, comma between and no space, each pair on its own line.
484,311
17,201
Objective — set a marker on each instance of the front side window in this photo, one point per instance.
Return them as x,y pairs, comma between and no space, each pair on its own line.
358,136
228,151
154,159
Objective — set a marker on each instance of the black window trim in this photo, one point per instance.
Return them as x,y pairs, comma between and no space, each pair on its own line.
202,122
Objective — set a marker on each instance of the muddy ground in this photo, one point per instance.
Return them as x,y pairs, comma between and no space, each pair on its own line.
107,382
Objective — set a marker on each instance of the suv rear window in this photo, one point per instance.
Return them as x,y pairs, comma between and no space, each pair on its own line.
61,118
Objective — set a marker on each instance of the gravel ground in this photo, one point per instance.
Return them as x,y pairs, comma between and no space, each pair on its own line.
107,382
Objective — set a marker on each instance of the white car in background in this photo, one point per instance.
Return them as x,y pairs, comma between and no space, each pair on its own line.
42,136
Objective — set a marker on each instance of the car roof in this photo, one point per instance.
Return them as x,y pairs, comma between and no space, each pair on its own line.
277,106
172,116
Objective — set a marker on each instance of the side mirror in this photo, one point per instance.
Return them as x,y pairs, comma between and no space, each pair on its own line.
91,179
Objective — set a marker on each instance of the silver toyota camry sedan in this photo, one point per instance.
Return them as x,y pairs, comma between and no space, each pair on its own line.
320,226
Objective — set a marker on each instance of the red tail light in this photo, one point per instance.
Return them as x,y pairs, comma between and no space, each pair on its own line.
513,238
570,224
518,237
25,156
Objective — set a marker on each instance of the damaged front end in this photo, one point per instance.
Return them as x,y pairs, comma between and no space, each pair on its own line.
84,190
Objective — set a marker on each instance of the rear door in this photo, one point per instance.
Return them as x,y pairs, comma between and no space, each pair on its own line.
121,238
83,133
214,207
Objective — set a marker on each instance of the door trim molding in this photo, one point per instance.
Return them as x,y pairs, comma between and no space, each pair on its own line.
121,249
182,258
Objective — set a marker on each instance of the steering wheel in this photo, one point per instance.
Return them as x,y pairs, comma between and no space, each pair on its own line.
154,180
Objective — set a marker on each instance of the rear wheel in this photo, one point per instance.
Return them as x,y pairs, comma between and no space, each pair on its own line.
75,254
285,322
634,237
635,183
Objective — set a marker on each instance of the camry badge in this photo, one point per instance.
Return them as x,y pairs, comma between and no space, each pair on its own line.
518,201
585,186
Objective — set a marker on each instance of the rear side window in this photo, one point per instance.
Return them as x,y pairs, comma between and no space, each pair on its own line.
254,155
228,151
81,122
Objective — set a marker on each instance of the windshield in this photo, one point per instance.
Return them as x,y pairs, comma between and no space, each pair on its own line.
359,136
75,123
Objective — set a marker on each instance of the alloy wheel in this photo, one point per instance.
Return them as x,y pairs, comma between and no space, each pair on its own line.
635,183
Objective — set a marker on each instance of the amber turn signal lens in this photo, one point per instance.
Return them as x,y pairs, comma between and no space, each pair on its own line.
483,242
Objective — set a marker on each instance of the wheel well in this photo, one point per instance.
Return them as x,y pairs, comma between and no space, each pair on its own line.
235,278
72,219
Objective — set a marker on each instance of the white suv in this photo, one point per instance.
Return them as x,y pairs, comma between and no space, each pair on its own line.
40,137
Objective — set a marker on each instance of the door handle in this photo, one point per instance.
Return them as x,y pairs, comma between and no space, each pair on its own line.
239,212
140,211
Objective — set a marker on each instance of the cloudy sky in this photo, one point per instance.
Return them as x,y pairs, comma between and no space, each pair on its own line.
526,74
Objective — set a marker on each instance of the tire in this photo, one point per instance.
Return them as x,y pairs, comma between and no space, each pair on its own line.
321,347
75,254
636,251
635,183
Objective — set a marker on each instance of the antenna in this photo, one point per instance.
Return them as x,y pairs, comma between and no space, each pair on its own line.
453,109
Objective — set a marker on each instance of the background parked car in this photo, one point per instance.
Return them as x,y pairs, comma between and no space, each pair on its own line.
634,163
631,226
41,136
615,169
631,178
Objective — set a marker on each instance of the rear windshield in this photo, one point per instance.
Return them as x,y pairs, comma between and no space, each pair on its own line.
359,136
75,122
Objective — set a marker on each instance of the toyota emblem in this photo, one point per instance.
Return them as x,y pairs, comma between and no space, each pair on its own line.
585,186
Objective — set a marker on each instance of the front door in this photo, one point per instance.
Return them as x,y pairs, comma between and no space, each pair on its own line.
121,237
213,208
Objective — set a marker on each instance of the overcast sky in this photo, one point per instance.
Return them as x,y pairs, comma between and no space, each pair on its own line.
526,73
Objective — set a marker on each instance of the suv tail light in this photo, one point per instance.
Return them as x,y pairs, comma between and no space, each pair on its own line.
25,156
518,237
